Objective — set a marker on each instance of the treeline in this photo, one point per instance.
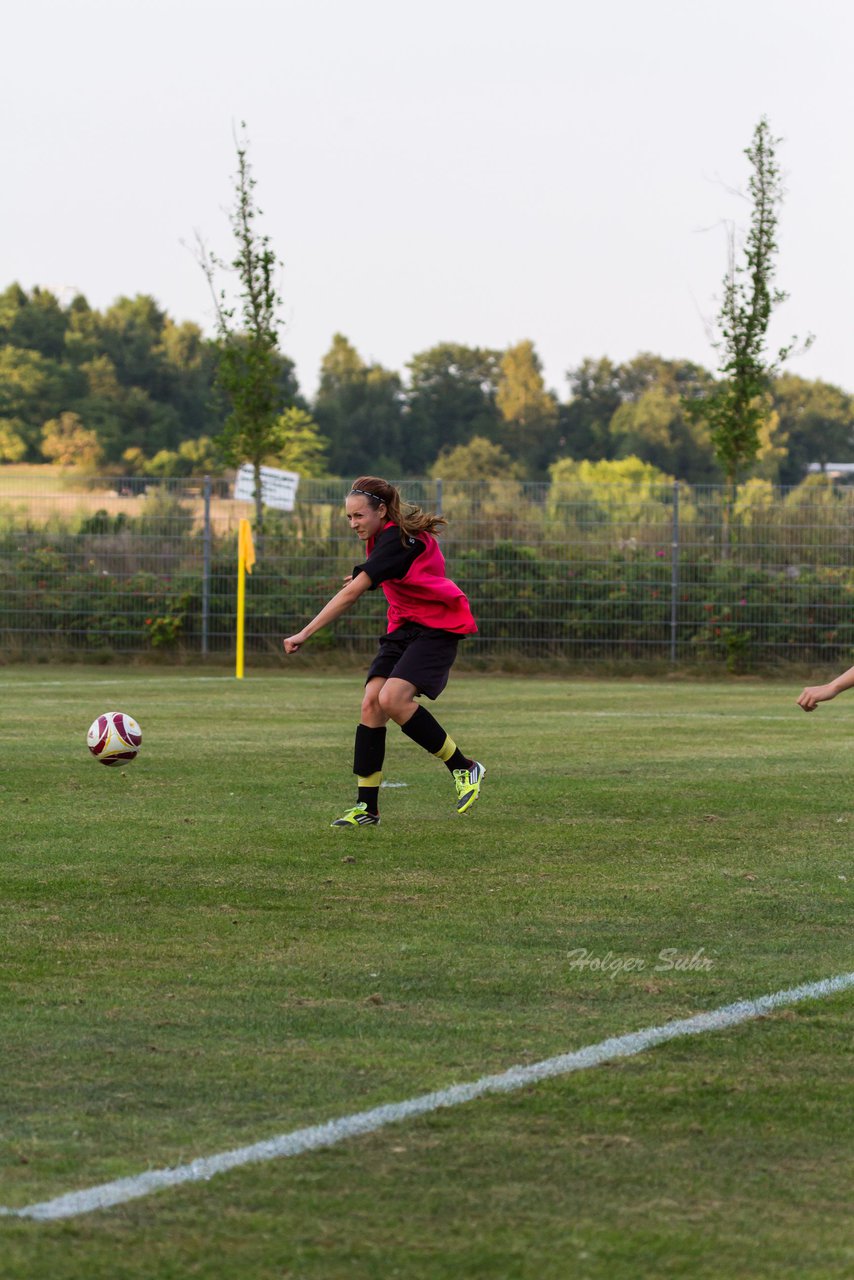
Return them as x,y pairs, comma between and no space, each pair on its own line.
130,390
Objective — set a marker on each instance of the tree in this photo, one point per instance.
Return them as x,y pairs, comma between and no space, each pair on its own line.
191,458
772,448
357,405
655,428
13,446
300,447
624,491
134,461
35,321
637,409
130,332
103,405
133,375
530,412
480,459
736,406
818,419
12,301
188,363
202,455
643,428
452,392
66,441
33,389
166,462
249,366
147,382
595,397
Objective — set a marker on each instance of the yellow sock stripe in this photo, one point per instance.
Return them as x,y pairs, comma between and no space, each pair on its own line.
373,781
447,749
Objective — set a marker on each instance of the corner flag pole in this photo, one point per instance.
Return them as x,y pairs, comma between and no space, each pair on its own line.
245,561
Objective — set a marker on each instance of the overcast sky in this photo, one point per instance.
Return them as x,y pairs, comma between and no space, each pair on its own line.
478,171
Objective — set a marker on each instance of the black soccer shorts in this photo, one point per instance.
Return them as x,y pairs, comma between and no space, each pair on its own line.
422,655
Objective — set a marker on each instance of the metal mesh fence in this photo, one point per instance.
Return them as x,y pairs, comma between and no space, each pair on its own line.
576,569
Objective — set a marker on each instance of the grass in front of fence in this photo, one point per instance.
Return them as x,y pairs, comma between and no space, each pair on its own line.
194,961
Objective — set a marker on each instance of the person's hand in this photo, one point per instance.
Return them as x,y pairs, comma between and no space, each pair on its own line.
816,693
349,578
293,643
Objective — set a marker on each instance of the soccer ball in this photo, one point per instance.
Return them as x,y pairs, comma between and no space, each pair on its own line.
114,738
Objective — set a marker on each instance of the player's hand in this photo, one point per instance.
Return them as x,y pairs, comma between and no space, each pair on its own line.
816,693
293,643
349,578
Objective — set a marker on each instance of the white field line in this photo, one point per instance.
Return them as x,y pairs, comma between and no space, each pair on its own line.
326,1135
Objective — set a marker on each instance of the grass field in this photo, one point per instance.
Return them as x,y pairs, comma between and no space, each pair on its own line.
192,961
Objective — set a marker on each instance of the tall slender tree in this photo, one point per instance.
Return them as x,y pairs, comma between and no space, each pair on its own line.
737,405
250,365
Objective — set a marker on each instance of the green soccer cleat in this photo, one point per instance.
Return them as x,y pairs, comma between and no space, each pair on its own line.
467,782
358,816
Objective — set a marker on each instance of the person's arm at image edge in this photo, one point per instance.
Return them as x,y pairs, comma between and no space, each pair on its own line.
816,693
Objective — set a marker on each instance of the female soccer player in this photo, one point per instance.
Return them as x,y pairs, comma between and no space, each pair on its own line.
427,614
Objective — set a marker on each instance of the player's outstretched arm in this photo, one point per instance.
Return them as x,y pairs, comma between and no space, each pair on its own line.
340,603
816,693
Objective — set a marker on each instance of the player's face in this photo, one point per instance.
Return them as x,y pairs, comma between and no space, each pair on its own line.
363,517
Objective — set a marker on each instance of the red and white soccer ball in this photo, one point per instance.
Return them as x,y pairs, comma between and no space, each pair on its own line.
114,738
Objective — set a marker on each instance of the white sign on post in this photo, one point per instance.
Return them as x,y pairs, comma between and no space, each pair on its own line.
278,488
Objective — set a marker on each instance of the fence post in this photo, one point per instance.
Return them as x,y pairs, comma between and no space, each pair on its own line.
438,497
674,572
206,568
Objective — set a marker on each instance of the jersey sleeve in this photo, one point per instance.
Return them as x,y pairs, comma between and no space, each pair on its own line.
390,559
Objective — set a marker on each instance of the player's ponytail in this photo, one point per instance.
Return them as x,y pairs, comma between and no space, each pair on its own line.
409,519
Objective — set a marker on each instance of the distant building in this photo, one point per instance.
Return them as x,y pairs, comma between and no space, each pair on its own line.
836,470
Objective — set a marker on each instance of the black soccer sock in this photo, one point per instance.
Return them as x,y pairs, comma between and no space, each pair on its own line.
370,795
457,760
368,757
429,734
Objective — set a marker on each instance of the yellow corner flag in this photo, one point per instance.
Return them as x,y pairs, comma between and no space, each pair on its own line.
245,546
245,561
